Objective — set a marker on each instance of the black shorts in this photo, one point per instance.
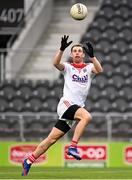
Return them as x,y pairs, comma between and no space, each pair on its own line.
68,115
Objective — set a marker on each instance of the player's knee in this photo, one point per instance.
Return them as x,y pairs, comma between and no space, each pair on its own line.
87,117
83,115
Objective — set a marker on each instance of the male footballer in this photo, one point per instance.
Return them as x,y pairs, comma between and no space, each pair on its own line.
71,107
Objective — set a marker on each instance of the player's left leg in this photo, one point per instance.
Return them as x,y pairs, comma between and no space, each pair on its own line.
83,117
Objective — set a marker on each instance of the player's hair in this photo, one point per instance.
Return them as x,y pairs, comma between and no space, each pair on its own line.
77,45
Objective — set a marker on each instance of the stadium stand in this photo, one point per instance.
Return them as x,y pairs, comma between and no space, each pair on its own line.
110,98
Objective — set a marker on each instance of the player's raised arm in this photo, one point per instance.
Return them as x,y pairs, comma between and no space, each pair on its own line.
97,66
57,59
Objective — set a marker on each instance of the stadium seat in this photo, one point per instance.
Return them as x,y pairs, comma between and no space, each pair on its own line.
24,93
121,127
104,44
41,92
127,92
94,93
3,104
90,104
101,56
121,105
116,4
52,103
101,81
111,93
124,70
107,12
118,22
33,129
93,34
111,34
117,81
9,92
126,34
17,105
124,11
24,83
121,45
104,104
35,105
108,69
128,56
114,57
10,128
55,90
97,128
8,82
100,22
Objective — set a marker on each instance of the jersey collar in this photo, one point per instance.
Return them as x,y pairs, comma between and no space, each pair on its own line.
82,65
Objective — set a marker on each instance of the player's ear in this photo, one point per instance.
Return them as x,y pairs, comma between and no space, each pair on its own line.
71,54
83,55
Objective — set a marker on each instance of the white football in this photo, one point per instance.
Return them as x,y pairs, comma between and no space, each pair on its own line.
78,11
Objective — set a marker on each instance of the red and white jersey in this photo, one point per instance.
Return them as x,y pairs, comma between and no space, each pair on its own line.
77,82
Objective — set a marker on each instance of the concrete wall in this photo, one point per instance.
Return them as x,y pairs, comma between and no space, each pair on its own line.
19,53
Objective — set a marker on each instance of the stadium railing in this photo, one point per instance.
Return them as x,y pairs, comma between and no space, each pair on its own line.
36,126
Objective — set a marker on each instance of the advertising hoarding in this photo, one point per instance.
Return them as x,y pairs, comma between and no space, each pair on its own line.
115,154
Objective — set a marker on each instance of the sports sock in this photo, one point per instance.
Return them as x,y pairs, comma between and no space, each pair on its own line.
74,143
31,159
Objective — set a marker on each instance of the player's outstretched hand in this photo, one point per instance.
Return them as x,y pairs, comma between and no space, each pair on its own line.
64,43
89,49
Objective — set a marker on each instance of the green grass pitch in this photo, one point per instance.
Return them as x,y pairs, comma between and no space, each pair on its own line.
37,173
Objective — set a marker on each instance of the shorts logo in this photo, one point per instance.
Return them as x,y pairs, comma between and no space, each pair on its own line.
83,79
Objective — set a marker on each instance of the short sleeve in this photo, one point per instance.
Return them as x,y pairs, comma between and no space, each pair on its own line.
90,67
66,67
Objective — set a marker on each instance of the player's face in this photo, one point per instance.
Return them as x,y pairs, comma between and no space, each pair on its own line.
77,54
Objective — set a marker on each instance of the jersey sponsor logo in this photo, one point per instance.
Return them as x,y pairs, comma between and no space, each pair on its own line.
83,79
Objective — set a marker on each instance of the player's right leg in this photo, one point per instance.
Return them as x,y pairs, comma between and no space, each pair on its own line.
54,135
